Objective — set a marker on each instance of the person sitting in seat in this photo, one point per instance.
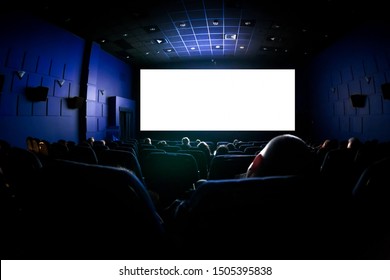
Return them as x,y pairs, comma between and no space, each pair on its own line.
285,154
185,143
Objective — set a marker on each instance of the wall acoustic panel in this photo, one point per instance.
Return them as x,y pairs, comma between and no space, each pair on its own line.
44,64
382,61
18,85
370,66
31,62
91,92
379,79
376,104
8,104
358,70
34,80
57,68
48,82
24,106
61,88
346,74
367,86
53,106
15,59
336,78
356,124
39,108
354,87
343,91
339,108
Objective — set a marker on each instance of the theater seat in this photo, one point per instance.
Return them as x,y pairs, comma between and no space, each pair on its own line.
371,212
88,211
120,158
229,166
261,218
170,175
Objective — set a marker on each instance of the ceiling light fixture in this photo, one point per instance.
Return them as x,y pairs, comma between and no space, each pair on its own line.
248,22
215,22
160,40
230,36
151,28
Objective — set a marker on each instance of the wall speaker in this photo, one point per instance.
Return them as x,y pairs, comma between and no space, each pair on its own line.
75,102
358,100
386,90
2,77
37,93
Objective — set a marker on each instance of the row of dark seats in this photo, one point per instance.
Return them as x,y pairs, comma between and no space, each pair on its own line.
66,209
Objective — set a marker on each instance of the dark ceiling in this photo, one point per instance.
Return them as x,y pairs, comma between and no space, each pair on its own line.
149,33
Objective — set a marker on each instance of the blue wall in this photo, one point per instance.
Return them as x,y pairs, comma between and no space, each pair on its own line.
48,54
358,64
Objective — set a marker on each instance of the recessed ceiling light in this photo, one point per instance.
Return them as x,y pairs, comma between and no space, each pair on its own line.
230,36
242,47
215,22
248,22
182,24
193,48
218,47
151,28
168,50
160,41
271,38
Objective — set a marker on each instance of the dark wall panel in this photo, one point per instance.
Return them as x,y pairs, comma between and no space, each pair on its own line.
53,106
370,65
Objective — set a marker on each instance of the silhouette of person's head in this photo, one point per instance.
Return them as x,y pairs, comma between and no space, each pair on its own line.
161,143
283,155
185,142
221,150
202,145
353,143
148,141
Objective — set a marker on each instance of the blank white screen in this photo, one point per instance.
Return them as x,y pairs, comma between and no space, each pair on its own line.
217,100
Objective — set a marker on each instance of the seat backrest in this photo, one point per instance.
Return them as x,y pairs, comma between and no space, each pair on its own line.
121,158
371,212
20,166
373,187
171,175
201,161
266,216
229,166
80,211
83,154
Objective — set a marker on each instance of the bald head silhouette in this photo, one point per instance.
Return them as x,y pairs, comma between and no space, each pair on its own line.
285,154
